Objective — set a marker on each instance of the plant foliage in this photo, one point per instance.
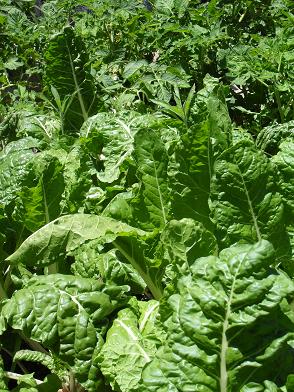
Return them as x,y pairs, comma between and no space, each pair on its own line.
146,196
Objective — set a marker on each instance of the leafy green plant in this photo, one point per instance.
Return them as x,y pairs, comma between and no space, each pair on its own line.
146,196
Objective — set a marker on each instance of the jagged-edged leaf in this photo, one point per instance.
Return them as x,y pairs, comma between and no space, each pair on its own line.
64,235
191,170
227,325
151,158
284,161
14,168
68,315
244,202
67,72
130,345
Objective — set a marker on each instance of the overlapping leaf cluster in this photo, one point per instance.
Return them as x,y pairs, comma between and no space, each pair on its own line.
146,196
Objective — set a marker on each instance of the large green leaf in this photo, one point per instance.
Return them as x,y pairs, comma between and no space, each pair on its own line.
192,168
66,234
67,71
109,267
68,315
152,160
185,240
244,202
109,139
228,326
130,345
39,203
284,161
269,138
14,168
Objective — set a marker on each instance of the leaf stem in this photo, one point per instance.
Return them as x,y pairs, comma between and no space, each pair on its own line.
17,376
155,290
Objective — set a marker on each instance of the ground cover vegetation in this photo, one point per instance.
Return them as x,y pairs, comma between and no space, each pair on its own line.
147,196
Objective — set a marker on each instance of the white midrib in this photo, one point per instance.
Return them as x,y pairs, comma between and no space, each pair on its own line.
159,192
46,208
81,101
135,339
224,344
146,316
254,218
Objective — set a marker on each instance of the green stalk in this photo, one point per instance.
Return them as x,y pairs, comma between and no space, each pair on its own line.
156,291
278,99
16,376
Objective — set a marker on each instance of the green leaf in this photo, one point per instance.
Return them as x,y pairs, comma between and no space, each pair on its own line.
108,267
191,168
225,325
14,160
130,344
244,202
40,126
109,139
66,71
151,158
47,360
66,234
269,138
38,205
3,383
284,161
68,315
186,240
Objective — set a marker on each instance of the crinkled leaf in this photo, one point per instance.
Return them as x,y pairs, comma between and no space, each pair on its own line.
192,167
284,161
14,168
39,204
108,267
225,325
109,139
244,203
67,314
186,240
66,71
130,345
269,138
64,235
152,160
